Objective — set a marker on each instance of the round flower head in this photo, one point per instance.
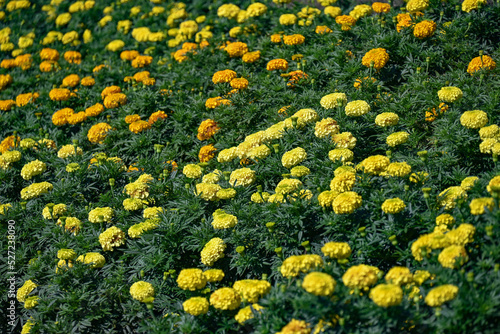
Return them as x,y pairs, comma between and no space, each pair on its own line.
246,313
343,182
485,63
236,49
470,5
386,295
32,169
98,132
417,5
35,190
207,129
360,276
223,220
478,205
25,290
393,205
300,171
441,294
319,284
453,256
213,275
95,260
375,164
380,7
100,215
213,251
242,177
223,76
293,157
325,199
344,140
346,203
342,154
357,108
492,131
461,235
397,169
196,306
474,119
397,138
450,94
192,171
326,127
191,279
336,250
494,185
142,291
295,39
277,64
225,299
207,191
295,264
449,196
378,57
251,57
424,29
251,289
112,237
333,11
399,276
332,101
387,119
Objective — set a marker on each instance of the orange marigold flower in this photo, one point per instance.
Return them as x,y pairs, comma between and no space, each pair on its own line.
139,126
24,99
378,57
239,83
98,132
345,21
294,77
73,57
110,90
48,66
8,63
480,63
77,118
214,102
49,54
115,100
8,143
129,55
141,61
60,117
251,57
276,38
236,49
94,110
87,81
189,46
207,153
6,105
24,61
323,30
380,7
207,129
5,80
277,64
160,114
295,39
71,80
223,76
132,118
60,94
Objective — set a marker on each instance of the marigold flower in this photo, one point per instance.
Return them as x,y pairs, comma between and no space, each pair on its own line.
345,21
474,119
478,205
393,205
57,211
68,150
386,295
32,169
242,177
239,83
207,129
332,101
73,57
236,49
296,264
223,220
481,63
25,290
207,191
397,138
24,99
346,202
115,100
344,140
94,110
343,154
252,290
295,39
142,291
387,119
296,327
213,275
450,94
223,76
192,171
397,169
449,257
142,61
360,276
196,306
332,11
449,196
111,238
277,64
417,5
424,29
35,190
213,251
470,5
399,276
191,279
336,250
378,57
441,294
293,157
251,57
380,7
6,105
343,182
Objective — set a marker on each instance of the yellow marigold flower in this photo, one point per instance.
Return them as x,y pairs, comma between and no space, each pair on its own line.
474,119
196,306
332,101
156,116
461,235
293,157
213,275
87,81
441,294
344,169
469,182
58,210
226,193
229,11
378,57
470,5
477,205
332,11
192,171
8,143
493,185
487,132
380,7
387,119
386,295
112,237
29,323
360,276
397,138
8,158
135,231
207,191
296,264
319,284
453,256
76,118
68,150
25,290
336,250
236,49
24,99
260,197
142,61
450,94
32,169
206,153
299,171
213,251
424,29
343,182
223,76
342,154
246,313
225,299
346,22
73,57
49,54
346,202
152,212
251,57
239,83
445,219
223,220
207,129
287,186
357,108
142,291
252,290
191,279
132,204
323,30
256,9
277,64
72,225
417,5
129,55
344,140
242,177
115,100
132,118
295,39
35,190
99,215
66,254
399,276
480,63
6,105
285,20
94,110
31,302
275,38
393,205
397,169
296,327
259,152
449,196
98,132
138,126
5,80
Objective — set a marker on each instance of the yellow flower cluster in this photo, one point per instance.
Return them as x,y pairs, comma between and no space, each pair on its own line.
242,177
424,29
474,119
334,100
191,279
223,220
386,295
295,264
319,284
393,205
225,299
32,169
252,290
357,108
142,291
35,190
95,260
213,251
196,306
378,57
441,294
112,237
100,215
481,63
361,276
